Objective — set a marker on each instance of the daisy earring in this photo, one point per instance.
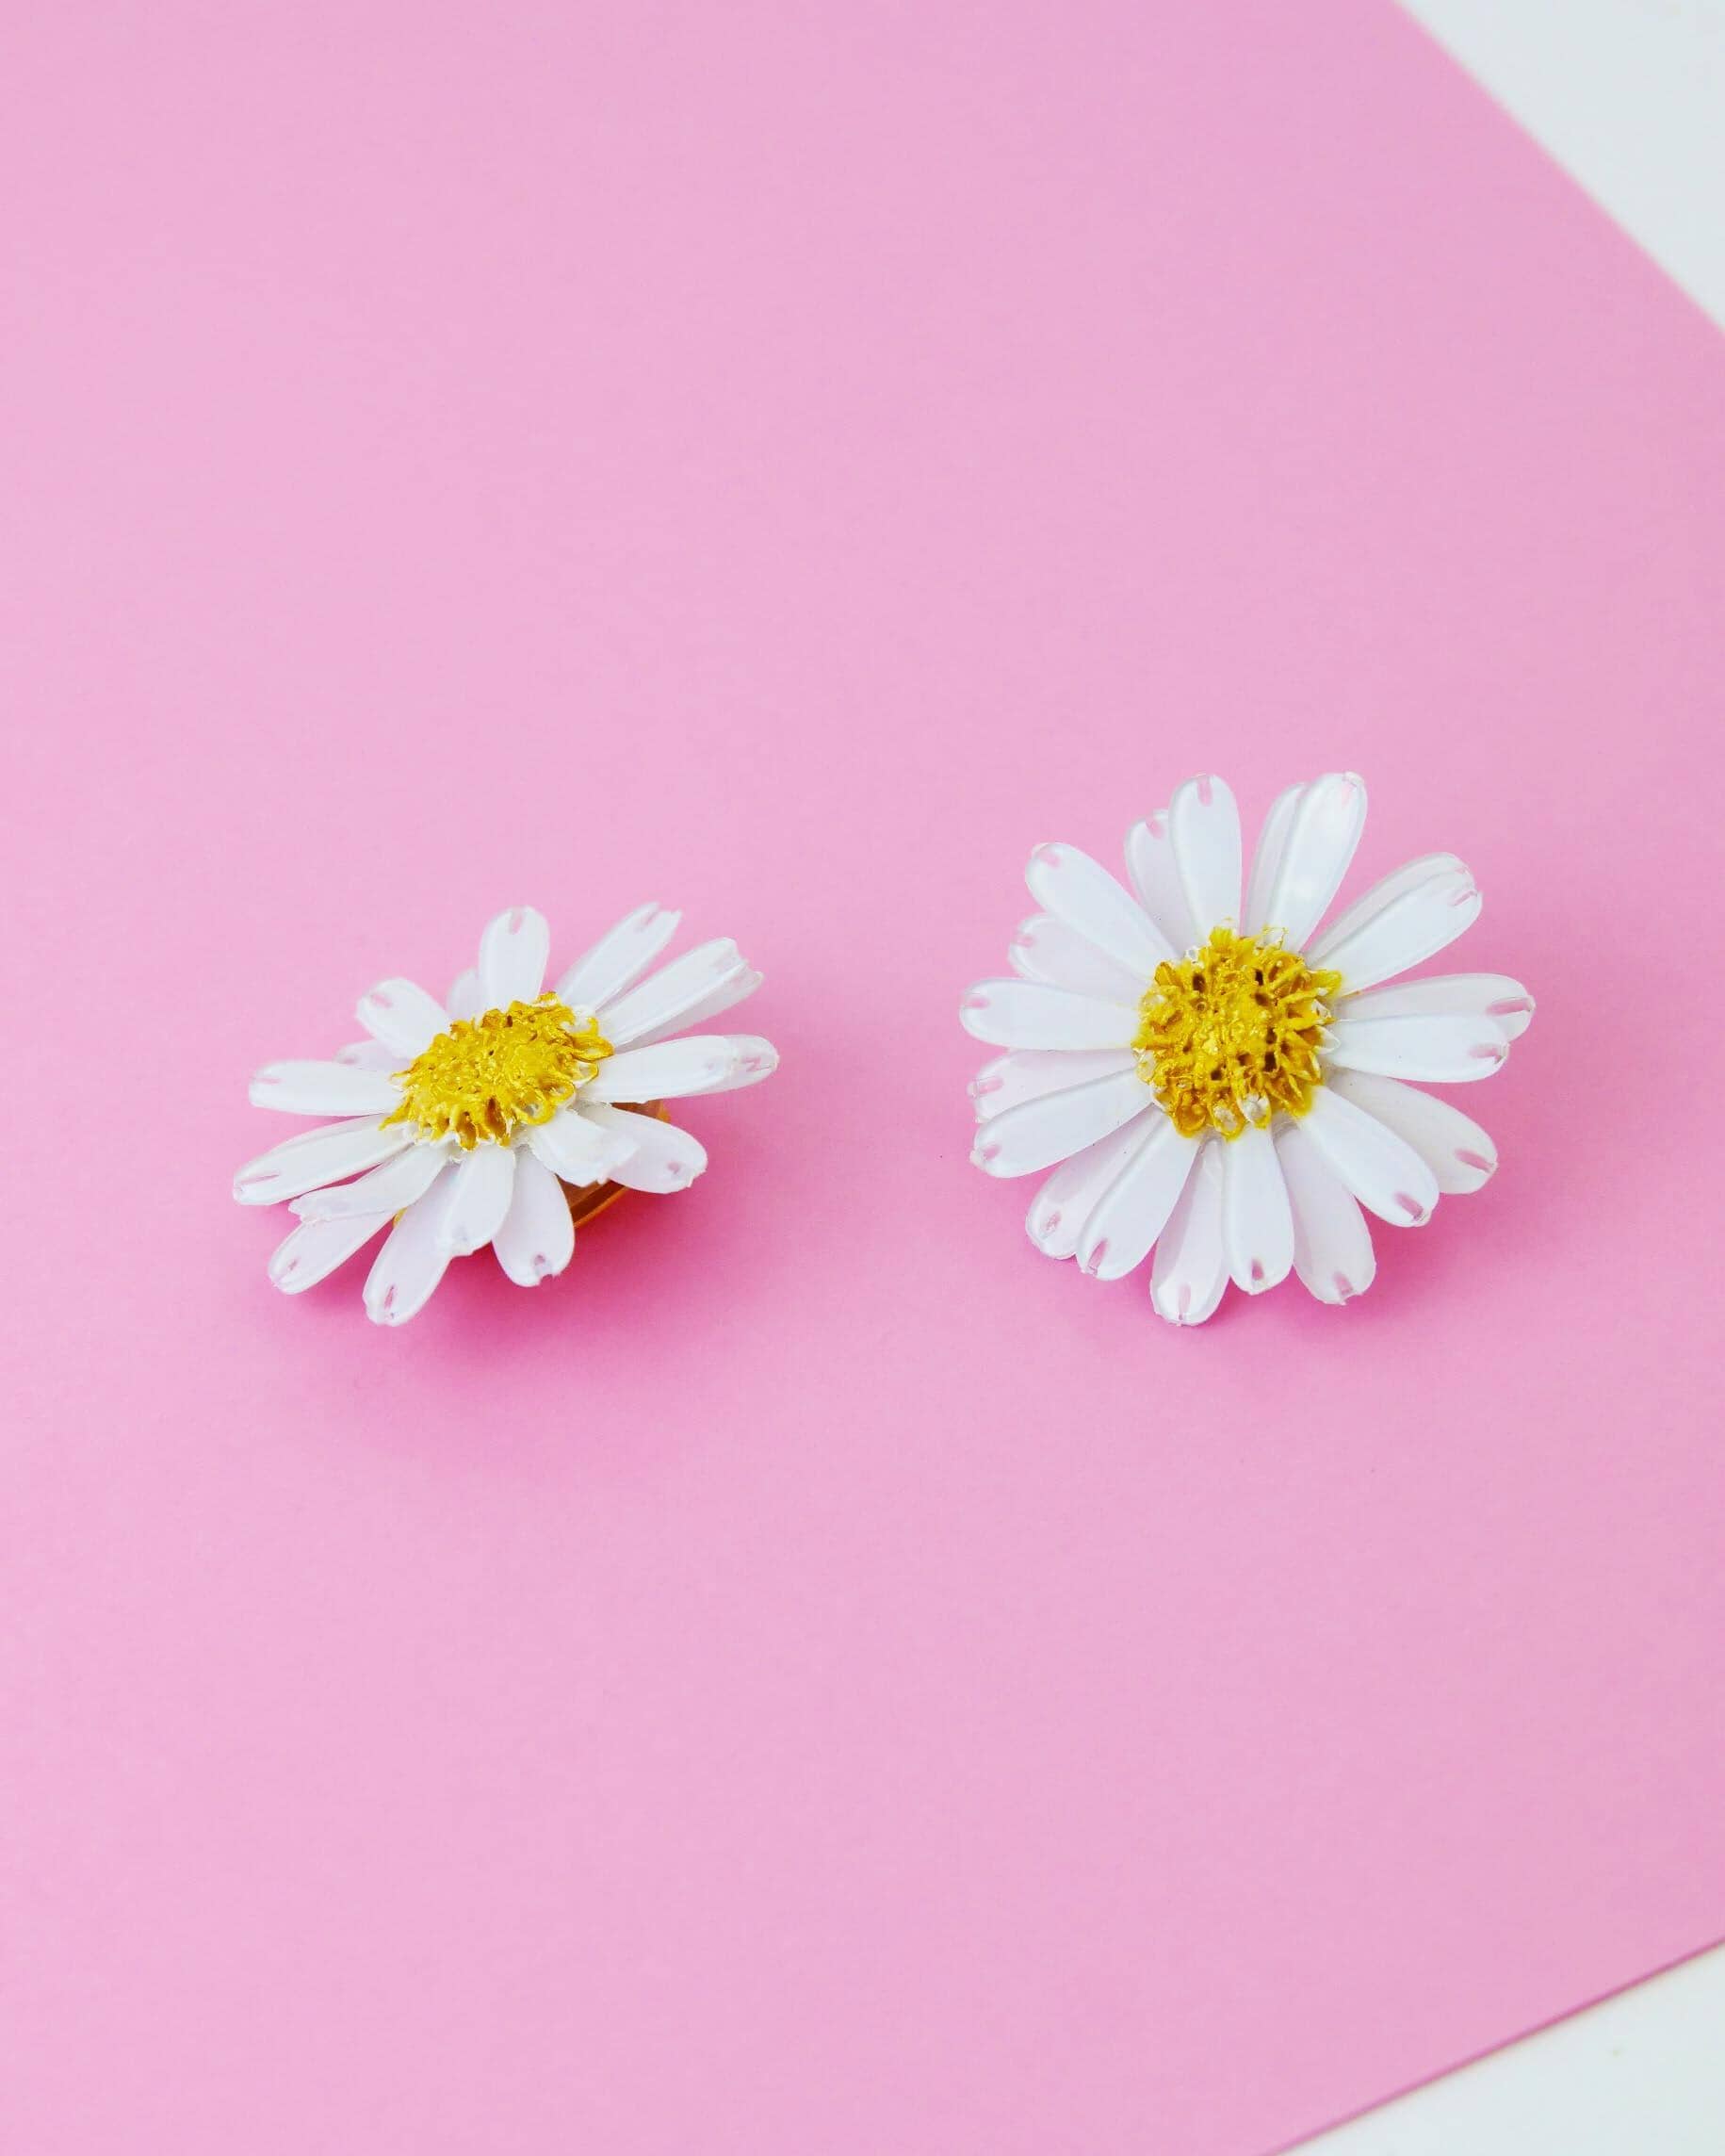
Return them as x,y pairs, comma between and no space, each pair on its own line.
504,1113
1212,1079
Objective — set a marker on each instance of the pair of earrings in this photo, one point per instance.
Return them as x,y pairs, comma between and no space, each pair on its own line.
1207,1076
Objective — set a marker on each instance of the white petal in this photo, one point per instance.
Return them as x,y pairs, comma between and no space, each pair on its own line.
316,1157
720,997
1267,859
1374,899
577,1150
1204,830
407,1269
664,1158
316,1248
1332,1245
1323,832
512,954
1406,920
1080,891
621,956
466,999
695,1063
1037,1133
1382,1170
1495,996
1134,1208
1442,1049
665,1001
324,1089
479,1192
1459,1154
1047,950
1033,1071
1149,863
386,1189
401,1014
370,1055
1257,1221
751,1059
1190,1273
1029,1014
537,1239
1063,1206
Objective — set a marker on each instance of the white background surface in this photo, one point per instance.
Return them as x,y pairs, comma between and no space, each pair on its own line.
1641,2075
1628,96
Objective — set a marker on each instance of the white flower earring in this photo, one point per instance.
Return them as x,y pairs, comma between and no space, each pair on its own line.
1218,1082
503,1115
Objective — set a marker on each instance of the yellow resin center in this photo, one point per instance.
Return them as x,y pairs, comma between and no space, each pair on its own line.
1232,1033
486,1076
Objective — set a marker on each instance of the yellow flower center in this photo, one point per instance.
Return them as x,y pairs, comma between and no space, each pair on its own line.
486,1076
1232,1033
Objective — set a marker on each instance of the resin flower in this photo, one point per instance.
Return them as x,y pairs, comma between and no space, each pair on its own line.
1218,1080
472,1122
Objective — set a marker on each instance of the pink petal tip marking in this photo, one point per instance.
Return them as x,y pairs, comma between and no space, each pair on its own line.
1183,1303
1411,1205
1489,1050
1257,1270
1479,1162
1344,1287
1207,790
1509,1006
1096,1256
1048,856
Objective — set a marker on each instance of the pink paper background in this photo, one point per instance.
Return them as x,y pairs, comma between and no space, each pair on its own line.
822,1679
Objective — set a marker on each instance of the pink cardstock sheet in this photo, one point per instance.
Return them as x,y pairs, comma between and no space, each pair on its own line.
819,1678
